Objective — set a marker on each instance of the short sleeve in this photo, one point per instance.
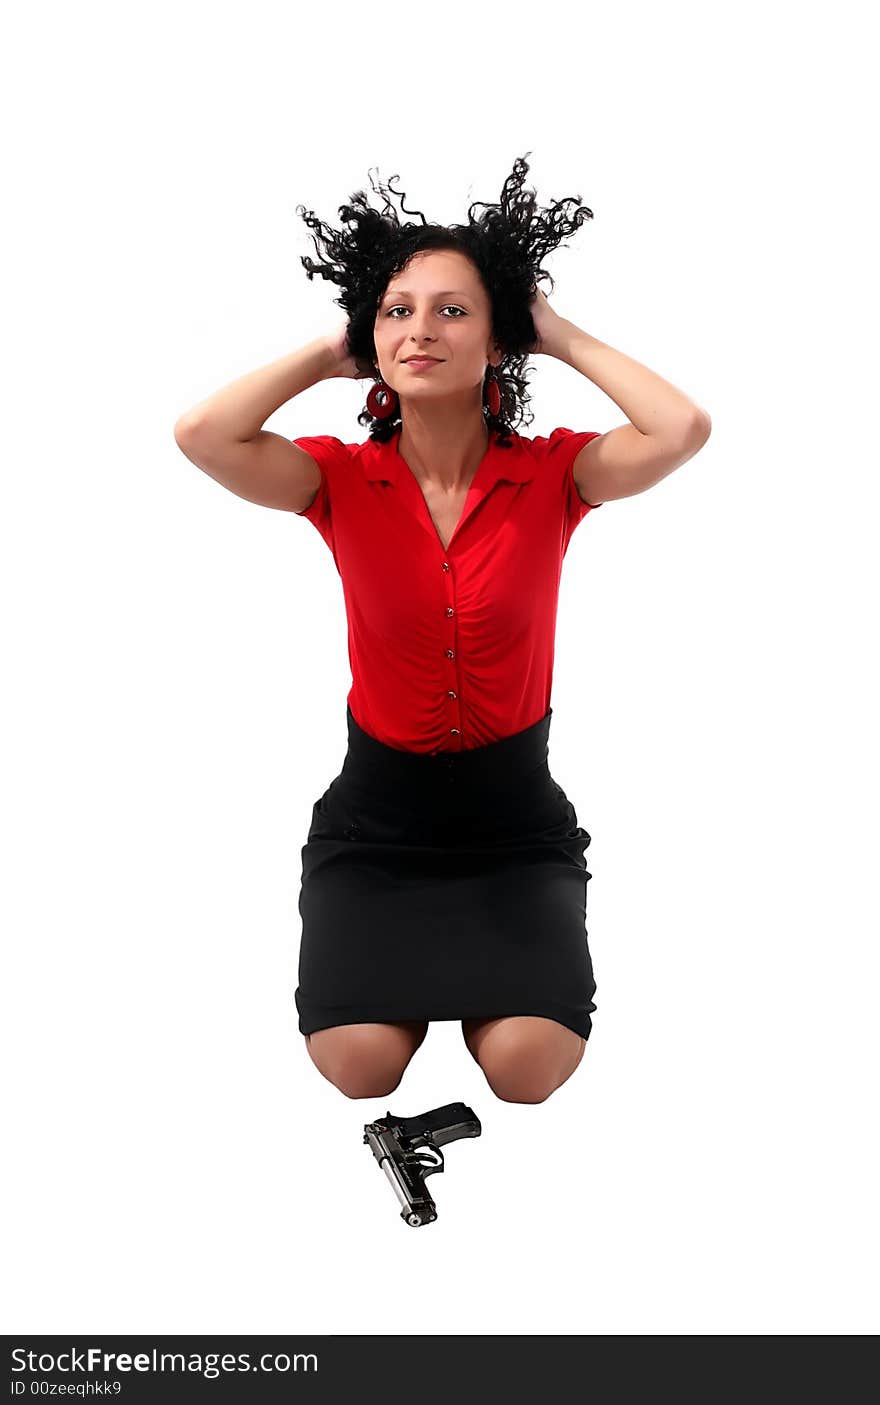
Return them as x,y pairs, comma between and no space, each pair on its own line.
331,456
562,449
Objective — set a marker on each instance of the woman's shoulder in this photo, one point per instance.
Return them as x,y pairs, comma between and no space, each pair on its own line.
328,447
559,440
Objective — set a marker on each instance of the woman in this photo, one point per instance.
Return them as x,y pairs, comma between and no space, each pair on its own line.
444,873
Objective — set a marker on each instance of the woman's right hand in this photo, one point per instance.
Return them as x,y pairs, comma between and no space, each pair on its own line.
345,365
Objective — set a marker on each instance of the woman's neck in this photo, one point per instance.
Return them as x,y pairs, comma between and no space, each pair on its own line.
442,454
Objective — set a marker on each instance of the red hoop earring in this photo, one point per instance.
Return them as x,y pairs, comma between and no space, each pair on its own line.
382,400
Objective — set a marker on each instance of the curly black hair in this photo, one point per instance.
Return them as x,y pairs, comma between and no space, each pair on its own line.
506,245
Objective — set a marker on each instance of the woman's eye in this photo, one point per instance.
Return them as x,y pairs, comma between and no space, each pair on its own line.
400,307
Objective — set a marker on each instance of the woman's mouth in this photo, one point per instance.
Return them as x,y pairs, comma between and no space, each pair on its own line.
422,363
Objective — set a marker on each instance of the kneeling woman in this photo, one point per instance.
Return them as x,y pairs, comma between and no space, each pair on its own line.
444,874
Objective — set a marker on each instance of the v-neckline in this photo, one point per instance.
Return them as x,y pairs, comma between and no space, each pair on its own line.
422,502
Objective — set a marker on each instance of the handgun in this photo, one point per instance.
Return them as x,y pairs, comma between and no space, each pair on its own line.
394,1141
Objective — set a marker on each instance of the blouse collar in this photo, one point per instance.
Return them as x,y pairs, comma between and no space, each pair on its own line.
385,463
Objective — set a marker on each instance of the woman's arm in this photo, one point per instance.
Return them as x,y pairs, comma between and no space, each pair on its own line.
224,437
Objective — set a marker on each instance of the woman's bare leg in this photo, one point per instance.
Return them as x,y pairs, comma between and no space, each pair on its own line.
366,1060
525,1057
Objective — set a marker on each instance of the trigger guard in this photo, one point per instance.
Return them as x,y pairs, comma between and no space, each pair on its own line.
427,1168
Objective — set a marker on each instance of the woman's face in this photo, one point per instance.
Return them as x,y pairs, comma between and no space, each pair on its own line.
436,306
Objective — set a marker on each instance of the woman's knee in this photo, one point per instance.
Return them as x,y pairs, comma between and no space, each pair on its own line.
525,1057
365,1060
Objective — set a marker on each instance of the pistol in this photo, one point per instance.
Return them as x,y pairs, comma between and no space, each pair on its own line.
394,1141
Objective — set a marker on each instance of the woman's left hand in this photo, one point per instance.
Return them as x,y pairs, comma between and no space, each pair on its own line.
548,324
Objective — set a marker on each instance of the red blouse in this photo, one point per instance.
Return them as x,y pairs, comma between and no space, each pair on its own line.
453,647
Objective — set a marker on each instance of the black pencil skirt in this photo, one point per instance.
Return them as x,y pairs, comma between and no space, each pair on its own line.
444,887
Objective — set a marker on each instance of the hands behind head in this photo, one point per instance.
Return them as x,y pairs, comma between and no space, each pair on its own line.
344,364
546,322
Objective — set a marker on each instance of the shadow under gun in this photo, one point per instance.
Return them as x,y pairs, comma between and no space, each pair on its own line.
395,1143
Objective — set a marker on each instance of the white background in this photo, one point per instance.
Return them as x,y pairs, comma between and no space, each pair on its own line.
176,673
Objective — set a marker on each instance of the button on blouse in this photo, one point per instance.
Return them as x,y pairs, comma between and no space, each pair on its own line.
450,647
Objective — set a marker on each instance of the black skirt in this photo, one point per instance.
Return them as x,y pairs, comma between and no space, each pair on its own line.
444,887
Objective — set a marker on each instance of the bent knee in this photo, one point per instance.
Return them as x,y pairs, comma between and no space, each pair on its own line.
362,1060
519,1086
366,1082
522,1067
